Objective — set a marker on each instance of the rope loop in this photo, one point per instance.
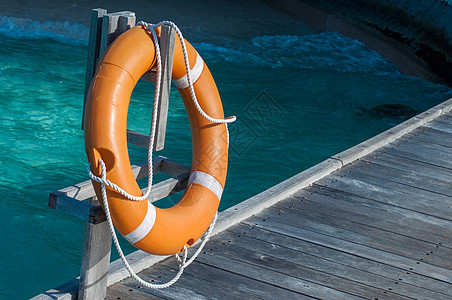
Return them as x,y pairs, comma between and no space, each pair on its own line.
151,27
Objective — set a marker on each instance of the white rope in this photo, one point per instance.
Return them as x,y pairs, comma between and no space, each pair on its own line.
187,68
183,263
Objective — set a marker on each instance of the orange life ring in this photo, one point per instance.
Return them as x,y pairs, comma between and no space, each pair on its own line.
154,230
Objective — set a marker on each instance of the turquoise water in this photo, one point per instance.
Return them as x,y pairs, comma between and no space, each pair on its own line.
298,99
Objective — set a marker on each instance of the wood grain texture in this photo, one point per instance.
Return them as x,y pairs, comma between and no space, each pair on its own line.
362,211
167,39
95,260
336,256
308,217
355,249
95,31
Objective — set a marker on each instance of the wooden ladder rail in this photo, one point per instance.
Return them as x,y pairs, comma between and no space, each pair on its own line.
80,200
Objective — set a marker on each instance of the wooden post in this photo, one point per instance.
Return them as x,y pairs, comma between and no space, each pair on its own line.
113,25
167,52
105,27
95,260
95,31
97,243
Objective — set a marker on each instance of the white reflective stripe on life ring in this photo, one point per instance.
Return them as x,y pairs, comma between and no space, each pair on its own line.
144,228
182,82
207,181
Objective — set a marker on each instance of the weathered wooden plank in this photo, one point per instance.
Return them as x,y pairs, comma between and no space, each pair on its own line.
437,112
70,199
138,260
276,278
250,287
385,223
66,291
167,37
336,256
389,193
189,286
333,225
127,20
113,25
80,191
137,139
95,260
432,223
412,179
95,31
133,290
353,248
357,233
75,206
385,158
421,196
95,214
119,292
432,135
368,284
215,283
142,260
290,266
421,157
84,190
440,125
365,213
447,119
71,206
196,283
423,152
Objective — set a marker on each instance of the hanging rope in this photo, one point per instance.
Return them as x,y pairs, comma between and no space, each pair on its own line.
183,263
187,68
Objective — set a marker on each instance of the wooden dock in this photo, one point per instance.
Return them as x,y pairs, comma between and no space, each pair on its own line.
372,222
379,227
